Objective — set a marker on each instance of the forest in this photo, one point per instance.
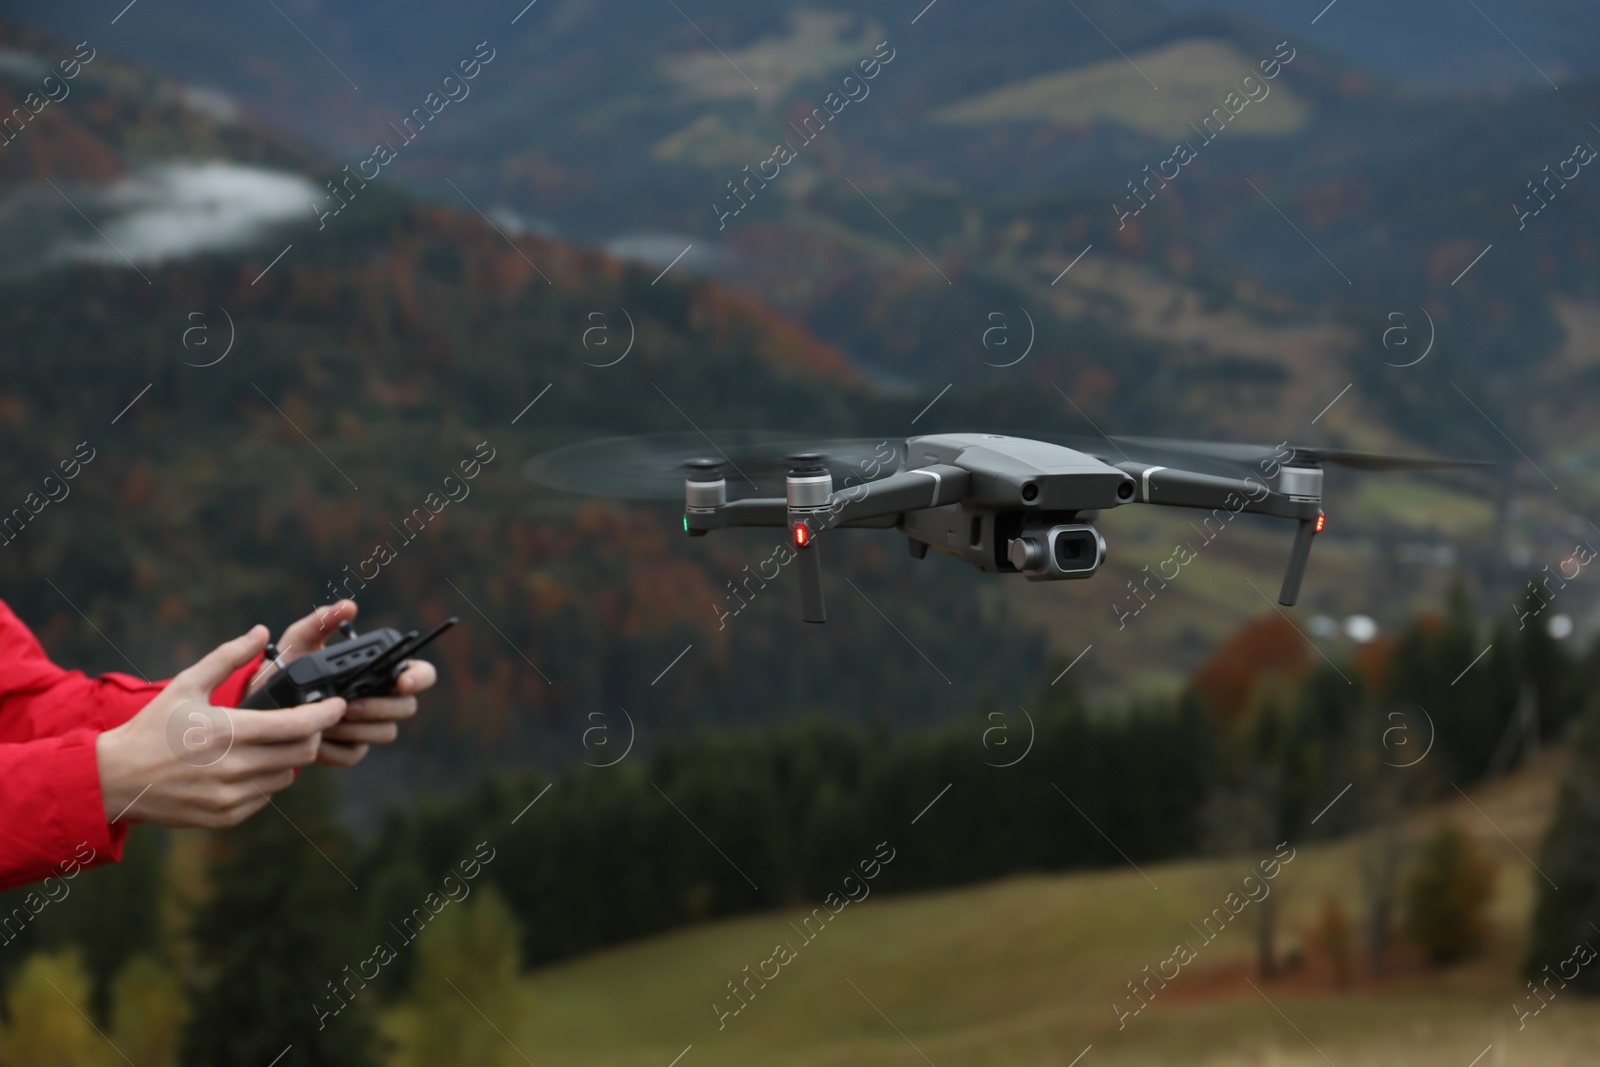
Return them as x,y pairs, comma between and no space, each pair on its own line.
293,929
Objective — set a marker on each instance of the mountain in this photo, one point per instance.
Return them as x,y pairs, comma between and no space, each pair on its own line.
1441,46
276,358
990,149
258,409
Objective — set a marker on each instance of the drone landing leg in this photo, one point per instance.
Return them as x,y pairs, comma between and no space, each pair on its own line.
1299,555
808,565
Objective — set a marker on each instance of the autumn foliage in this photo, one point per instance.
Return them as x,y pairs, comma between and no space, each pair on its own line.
1265,647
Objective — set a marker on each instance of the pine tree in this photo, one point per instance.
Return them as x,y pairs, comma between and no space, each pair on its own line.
1466,681
1447,896
1570,858
466,999
279,928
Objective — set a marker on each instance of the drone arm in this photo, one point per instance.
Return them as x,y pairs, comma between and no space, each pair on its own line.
1171,487
872,504
752,511
1179,488
909,490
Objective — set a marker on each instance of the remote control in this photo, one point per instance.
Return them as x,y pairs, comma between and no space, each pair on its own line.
361,665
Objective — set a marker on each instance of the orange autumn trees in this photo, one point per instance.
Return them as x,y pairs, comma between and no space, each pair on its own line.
1264,648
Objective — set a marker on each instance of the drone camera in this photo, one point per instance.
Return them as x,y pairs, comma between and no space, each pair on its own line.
1077,550
1125,490
1060,552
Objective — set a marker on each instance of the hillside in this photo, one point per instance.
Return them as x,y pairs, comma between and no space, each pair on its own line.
271,392
1025,971
268,399
985,155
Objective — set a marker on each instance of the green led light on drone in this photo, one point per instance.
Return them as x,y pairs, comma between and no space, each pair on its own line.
686,524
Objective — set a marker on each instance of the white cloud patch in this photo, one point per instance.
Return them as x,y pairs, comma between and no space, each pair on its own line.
212,103
176,210
659,249
22,65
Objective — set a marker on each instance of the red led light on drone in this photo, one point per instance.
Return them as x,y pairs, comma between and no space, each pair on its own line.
1322,520
802,536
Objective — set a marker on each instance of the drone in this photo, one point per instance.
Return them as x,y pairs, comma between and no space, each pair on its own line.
1003,504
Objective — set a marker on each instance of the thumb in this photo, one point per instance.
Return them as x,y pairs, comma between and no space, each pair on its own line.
200,679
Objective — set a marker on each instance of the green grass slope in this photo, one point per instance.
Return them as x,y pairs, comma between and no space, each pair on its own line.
1024,971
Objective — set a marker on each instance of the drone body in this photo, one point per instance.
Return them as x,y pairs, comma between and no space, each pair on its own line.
1003,504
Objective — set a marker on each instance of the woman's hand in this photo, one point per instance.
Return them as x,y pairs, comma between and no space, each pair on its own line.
369,720
182,762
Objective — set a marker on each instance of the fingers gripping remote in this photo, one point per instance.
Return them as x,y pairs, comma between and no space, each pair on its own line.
361,665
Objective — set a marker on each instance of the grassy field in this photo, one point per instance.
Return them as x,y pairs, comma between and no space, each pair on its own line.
1024,972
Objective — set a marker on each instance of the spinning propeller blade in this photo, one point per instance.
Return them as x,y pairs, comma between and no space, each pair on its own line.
651,467
1254,455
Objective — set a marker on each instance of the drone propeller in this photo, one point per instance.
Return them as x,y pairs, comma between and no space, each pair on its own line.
652,467
1300,456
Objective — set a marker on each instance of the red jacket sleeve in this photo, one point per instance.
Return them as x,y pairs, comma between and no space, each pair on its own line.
52,814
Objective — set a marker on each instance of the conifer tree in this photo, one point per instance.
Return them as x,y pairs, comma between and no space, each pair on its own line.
1570,858
466,999
1447,896
279,928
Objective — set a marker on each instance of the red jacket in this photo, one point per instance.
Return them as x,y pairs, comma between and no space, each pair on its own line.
50,802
